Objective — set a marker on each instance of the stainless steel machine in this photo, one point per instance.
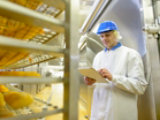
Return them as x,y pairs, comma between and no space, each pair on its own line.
139,25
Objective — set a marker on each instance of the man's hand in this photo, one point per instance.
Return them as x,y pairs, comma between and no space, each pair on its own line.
89,81
105,73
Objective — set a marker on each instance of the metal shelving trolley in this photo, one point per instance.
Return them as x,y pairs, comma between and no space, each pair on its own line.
33,33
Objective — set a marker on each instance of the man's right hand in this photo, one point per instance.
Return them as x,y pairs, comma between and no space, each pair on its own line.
89,81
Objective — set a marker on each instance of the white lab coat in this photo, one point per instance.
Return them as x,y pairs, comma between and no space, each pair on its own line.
117,100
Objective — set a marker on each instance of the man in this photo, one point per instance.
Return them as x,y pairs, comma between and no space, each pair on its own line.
123,69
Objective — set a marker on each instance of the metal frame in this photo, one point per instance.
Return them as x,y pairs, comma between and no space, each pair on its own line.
71,76
71,55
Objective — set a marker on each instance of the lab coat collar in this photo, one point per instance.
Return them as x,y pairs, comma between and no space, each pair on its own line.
114,47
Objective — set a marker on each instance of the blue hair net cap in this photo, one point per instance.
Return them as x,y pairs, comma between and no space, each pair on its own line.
107,26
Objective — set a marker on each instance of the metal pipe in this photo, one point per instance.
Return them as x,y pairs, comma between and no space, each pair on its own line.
97,43
85,37
98,8
156,5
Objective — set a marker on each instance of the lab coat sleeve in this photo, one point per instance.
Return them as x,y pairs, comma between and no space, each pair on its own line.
134,81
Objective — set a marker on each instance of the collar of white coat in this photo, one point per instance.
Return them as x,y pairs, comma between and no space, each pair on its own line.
114,47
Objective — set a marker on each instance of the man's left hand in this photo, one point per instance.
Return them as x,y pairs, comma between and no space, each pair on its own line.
105,73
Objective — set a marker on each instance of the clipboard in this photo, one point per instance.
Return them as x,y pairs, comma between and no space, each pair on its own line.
92,73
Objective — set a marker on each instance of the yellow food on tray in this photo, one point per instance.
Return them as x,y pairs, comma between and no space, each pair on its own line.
3,88
10,100
16,29
32,4
16,58
2,101
20,73
8,58
4,112
18,99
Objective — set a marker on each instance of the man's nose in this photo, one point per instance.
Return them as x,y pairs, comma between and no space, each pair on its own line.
106,39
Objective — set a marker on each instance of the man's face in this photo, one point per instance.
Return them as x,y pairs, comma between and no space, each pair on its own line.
109,39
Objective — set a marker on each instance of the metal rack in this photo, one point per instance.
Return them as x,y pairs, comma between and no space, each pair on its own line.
70,28
29,16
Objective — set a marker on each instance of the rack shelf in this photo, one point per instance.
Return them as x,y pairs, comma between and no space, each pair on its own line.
29,16
59,4
29,80
26,63
17,45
